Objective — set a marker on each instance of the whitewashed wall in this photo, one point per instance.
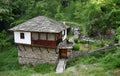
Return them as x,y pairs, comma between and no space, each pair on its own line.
65,36
26,40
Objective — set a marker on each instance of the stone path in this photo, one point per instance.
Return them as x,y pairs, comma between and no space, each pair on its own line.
89,39
61,65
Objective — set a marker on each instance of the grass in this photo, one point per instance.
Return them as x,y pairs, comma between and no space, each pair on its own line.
80,70
106,63
9,65
85,46
8,59
90,46
109,59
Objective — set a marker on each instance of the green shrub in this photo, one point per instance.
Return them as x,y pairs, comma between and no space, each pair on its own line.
83,42
117,33
97,44
102,44
76,47
4,40
76,40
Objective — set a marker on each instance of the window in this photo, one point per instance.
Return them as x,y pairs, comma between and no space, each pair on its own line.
42,36
35,36
51,37
22,35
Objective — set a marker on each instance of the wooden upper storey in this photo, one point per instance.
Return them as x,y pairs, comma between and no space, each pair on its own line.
46,39
38,39
40,31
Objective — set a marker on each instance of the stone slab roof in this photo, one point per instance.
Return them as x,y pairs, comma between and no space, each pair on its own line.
65,45
40,24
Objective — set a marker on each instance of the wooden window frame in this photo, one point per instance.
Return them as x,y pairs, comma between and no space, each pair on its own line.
37,35
40,35
22,35
49,35
63,34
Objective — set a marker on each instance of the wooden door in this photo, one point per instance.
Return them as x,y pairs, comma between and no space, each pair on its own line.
63,53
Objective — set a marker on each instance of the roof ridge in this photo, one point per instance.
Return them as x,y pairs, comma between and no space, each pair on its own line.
40,24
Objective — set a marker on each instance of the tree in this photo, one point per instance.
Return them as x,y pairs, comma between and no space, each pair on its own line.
118,33
5,14
4,40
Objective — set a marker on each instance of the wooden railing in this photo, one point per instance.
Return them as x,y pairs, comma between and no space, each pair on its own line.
46,43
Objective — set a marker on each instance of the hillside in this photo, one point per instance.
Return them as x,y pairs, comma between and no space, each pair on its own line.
97,19
84,70
106,63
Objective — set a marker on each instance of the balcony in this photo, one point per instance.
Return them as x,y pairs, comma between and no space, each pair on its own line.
46,43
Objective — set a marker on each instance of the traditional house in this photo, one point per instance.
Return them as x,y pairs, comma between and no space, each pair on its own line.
39,39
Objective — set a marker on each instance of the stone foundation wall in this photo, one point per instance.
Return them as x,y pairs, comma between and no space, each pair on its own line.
76,54
36,55
69,54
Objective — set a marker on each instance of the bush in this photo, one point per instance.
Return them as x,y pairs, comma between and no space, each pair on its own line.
83,42
76,47
97,44
117,33
76,40
4,40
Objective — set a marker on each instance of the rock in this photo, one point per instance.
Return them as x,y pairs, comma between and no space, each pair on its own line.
36,55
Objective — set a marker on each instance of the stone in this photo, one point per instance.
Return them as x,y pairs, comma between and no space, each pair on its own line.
21,47
19,53
36,55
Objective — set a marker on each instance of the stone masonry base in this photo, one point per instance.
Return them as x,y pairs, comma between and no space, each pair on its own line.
36,55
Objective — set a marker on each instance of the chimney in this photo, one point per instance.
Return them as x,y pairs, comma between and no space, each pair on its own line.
64,23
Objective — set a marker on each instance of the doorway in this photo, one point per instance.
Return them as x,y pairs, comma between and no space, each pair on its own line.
63,53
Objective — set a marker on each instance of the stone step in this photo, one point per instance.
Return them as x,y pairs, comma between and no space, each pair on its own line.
61,65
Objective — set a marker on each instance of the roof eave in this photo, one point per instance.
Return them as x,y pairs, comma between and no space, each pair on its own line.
32,31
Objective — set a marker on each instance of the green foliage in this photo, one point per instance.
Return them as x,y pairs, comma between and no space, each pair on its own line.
109,59
83,41
9,64
97,15
94,16
4,40
76,47
6,16
44,68
76,40
118,33
8,59
17,22
98,44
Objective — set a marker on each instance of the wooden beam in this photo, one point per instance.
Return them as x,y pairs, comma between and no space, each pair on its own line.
55,36
46,36
39,35
40,49
32,48
24,47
